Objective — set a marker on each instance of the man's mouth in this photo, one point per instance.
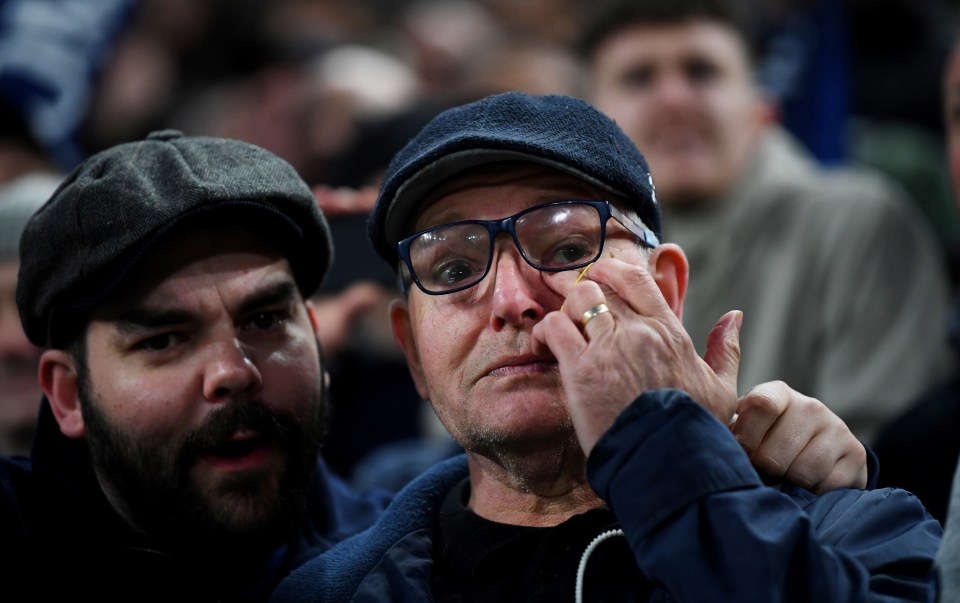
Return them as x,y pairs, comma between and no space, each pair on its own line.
523,366
239,453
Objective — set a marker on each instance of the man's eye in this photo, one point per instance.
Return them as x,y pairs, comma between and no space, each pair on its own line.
264,321
568,252
637,77
571,254
453,271
158,343
702,71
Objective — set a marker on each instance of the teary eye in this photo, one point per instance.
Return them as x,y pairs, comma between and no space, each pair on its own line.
569,252
453,271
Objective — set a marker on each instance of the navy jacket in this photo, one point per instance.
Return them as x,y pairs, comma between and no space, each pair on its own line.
61,540
701,525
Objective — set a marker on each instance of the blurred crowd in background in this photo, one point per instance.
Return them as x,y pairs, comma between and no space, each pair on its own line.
336,87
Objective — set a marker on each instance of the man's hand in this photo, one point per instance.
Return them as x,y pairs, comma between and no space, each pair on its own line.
335,315
791,436
639,345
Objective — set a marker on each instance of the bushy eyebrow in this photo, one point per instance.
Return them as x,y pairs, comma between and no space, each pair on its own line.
139,319
284,292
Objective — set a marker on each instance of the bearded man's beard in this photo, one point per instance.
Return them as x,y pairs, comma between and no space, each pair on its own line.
151,478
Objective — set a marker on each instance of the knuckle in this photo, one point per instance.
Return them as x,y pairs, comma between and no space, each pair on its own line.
760,400
749,446
809,408
734,351
635,274
769,464
805,474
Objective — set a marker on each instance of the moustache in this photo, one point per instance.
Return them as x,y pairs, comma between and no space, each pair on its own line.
247,416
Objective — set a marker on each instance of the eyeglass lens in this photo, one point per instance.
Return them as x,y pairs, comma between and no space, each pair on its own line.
551,237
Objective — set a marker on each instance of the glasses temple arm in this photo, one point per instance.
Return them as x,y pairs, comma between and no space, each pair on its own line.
646,236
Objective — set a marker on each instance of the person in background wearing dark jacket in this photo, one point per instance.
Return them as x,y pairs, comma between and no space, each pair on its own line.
600,453
176,455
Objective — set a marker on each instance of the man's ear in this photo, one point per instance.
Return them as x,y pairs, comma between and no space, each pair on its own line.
312,315
403,334
61,384
670,270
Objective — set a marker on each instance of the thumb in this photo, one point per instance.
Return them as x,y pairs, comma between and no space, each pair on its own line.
723,347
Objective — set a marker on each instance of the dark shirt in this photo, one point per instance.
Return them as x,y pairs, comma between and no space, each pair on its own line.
480,560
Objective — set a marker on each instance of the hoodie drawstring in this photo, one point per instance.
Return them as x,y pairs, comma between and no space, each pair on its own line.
585,557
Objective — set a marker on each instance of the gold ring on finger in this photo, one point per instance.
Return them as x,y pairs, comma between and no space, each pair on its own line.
593,313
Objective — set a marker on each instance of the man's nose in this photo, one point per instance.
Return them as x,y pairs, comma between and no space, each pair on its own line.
229,372
518,288
673,89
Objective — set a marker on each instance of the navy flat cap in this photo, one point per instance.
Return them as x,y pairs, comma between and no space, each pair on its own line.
561,132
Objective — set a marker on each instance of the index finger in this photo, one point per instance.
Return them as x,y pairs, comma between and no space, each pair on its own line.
634,284
757,411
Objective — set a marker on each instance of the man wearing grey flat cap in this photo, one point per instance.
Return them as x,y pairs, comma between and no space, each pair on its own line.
606,460
176,454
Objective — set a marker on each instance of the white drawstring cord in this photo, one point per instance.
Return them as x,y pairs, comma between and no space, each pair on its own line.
586,555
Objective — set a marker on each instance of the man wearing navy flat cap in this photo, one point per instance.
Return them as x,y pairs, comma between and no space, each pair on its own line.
602,451
176,451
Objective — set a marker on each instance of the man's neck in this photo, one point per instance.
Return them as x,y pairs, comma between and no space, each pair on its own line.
539,490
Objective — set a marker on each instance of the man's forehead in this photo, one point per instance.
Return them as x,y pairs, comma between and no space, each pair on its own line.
549,182
178,302
693,37
191,254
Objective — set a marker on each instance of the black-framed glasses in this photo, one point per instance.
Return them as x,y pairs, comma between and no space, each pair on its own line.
563,235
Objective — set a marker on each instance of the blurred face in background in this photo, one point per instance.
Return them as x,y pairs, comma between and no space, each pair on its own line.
19,388
684,94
